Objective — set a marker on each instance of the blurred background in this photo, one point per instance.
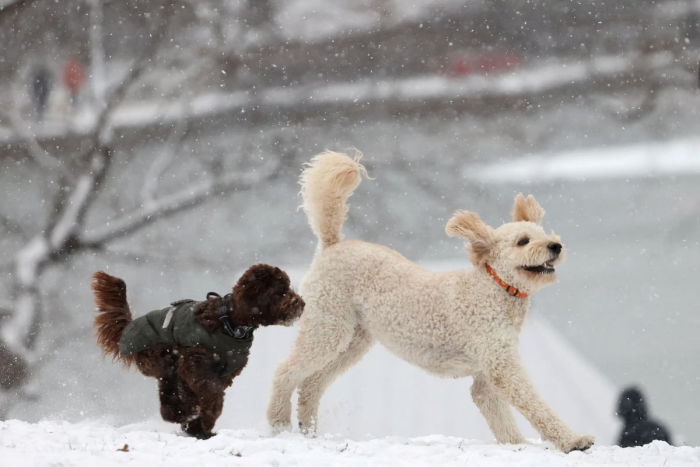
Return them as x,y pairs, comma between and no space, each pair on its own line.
161,141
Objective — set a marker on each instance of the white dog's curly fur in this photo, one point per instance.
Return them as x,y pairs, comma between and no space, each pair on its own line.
453,324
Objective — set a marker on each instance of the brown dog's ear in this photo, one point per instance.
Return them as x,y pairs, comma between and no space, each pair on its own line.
527,209
469,226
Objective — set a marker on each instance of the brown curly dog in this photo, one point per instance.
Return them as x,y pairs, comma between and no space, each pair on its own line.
194,349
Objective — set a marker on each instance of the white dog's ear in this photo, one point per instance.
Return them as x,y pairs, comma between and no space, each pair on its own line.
470,227
527,209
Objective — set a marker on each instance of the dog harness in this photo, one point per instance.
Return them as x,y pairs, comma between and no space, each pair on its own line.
177,325
511,290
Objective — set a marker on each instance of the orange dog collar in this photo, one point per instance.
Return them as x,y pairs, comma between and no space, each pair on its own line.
511,290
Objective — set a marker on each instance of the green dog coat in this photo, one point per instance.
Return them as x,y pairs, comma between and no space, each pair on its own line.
176,325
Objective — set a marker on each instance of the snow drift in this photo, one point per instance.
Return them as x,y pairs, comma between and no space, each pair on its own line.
158,444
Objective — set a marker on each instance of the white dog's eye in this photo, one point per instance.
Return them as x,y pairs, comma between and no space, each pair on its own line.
523,241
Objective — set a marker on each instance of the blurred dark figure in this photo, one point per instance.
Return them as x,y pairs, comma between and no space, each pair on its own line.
638,429
73,78
41,88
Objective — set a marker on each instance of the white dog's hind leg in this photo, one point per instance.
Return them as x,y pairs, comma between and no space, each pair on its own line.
496,411
318,344
313,387
508,375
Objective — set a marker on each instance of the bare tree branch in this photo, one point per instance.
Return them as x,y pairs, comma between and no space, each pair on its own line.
140,66
40,155
173,204
60,196
98,157
72,202
163,161
138,257
155,172
64,234
97,51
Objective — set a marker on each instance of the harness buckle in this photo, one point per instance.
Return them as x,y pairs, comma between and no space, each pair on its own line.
239,332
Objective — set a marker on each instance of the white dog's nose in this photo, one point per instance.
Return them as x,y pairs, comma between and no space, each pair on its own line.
554,247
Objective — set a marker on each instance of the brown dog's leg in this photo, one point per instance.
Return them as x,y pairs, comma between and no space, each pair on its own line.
170,404
195,368
194,428
178,403
210,409
210,406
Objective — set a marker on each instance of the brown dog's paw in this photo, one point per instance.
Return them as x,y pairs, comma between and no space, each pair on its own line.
194,428
577,443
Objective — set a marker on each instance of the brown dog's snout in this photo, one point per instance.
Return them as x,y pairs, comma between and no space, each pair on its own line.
297,301
291,305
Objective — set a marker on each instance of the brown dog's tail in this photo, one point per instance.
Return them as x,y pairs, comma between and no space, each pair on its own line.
326,183
113,314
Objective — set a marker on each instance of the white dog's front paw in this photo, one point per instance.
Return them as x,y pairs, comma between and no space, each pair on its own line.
577,443
308,429
278,428
516,439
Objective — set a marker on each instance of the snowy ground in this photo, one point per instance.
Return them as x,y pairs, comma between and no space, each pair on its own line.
651,159
155,443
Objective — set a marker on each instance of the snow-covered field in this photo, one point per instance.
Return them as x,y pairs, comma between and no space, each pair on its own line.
651,159
156,443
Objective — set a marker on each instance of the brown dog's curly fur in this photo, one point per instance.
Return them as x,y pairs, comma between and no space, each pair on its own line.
113,314
189,382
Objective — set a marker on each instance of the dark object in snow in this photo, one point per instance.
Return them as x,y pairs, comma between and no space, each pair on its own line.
638,429
191,364
13,369
41,88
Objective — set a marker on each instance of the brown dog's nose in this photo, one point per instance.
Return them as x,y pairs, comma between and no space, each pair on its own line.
554,247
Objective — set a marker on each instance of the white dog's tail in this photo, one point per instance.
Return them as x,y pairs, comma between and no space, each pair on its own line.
326,183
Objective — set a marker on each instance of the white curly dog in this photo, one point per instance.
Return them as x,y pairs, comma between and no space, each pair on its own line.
453,324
